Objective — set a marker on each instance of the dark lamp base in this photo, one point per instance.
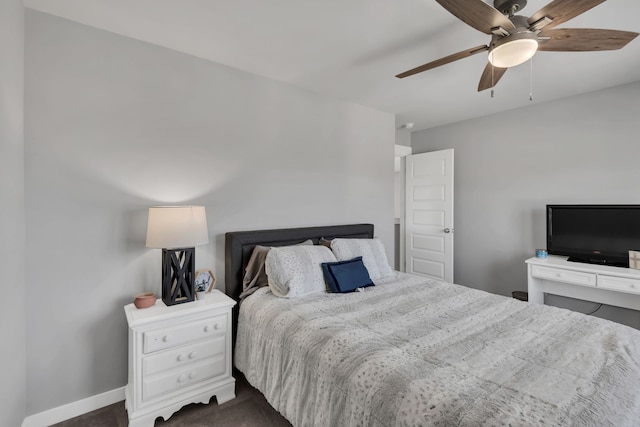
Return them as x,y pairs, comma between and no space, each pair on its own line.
177,275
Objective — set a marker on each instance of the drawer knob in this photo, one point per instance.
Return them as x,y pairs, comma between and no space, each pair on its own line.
180,357
192,375
165,338
216,326
192,354
181,378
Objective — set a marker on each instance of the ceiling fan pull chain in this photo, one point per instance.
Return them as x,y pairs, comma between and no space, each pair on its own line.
531,79
492,83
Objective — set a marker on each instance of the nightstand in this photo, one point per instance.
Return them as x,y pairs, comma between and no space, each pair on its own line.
178,355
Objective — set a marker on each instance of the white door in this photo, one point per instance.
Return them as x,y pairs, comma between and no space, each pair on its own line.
429,214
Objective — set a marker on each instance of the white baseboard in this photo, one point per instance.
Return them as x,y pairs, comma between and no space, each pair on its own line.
74,409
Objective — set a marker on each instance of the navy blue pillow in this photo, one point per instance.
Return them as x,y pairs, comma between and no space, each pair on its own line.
346,276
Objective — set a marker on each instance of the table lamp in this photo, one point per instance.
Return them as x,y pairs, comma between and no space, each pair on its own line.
177,230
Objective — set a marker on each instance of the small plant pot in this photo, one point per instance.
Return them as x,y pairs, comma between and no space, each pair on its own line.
200,294
145,300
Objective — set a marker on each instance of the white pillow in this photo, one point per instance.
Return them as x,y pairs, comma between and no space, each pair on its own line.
371,250
295,271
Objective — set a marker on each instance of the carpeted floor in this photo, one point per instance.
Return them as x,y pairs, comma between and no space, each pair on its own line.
248,409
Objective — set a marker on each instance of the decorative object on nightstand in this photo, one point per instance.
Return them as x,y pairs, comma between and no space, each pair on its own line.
178,355
176,230
204,282
200,292
145,300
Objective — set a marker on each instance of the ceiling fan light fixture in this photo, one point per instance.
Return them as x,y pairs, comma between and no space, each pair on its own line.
513,50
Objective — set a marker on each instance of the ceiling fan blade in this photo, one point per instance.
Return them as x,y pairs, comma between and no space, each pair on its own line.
442,61
478,14
560,11
490,77
584,39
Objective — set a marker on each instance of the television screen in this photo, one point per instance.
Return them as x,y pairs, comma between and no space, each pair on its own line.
601,234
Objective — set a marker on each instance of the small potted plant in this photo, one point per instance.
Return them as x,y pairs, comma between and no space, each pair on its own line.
201,288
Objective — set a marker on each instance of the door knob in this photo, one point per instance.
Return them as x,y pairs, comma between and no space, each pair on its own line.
448,230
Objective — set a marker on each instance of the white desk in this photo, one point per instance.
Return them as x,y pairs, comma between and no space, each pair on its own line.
555,275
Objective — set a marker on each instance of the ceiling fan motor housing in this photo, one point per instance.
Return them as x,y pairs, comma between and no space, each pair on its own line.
509,7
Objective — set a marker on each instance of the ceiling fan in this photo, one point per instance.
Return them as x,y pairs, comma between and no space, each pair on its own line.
515,38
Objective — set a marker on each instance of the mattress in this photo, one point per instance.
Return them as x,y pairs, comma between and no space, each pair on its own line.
412,351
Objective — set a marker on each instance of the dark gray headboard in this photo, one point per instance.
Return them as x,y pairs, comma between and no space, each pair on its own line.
239,246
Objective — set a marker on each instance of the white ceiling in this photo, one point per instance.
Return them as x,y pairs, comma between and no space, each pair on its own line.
352,49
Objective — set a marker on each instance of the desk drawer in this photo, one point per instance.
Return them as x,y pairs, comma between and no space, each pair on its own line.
622,284
164,338
566,276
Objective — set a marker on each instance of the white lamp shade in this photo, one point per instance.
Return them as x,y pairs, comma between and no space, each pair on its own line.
514,51
173,227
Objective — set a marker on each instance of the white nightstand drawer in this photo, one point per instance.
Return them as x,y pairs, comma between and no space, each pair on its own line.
622,284
181,334
157,385
567,276
182,356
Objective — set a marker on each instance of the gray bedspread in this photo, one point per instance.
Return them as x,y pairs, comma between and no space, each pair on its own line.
418,352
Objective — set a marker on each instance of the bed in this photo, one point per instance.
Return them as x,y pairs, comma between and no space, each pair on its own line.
412,351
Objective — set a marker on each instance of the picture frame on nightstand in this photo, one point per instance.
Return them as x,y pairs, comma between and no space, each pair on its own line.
206,278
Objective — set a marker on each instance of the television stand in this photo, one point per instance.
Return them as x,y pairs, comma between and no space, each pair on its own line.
606,284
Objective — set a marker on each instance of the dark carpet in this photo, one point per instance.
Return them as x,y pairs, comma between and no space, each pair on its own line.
248,409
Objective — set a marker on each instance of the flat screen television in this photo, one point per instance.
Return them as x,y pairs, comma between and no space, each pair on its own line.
597,234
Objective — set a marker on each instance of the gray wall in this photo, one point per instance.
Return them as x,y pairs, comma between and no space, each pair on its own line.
115,126
508,166
403,137
12,231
